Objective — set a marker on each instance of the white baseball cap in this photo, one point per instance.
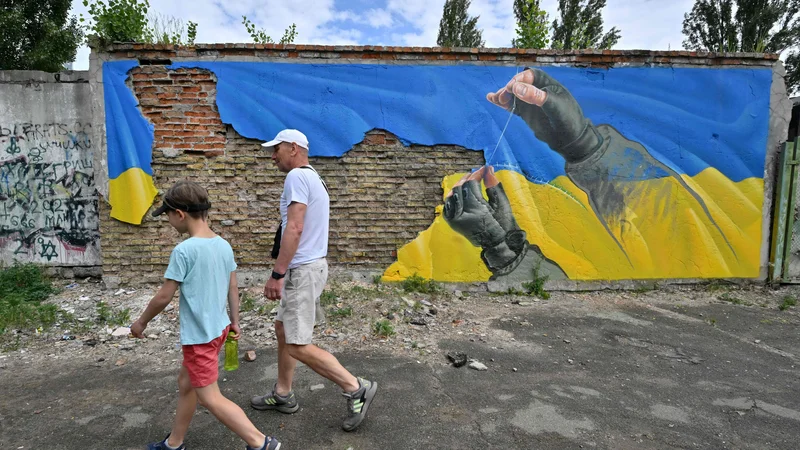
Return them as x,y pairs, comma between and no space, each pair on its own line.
289,136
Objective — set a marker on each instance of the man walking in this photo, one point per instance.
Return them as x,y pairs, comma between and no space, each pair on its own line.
298,279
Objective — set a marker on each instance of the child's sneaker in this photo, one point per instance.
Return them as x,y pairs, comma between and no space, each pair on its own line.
269,444
163,445
358,402
274,401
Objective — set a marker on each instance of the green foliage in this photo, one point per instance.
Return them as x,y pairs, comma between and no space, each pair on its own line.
746,26
338,313
457,28
247,303
328,297
38,35
106,315
383,328
129,21
533,26
787,303
535,287
726,297
23,288
416,283
191,33
118,20
165,29
581,26
261,36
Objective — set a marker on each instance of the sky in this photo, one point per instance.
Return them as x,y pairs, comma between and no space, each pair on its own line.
645,24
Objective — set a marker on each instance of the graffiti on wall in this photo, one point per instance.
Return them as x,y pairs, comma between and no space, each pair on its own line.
48,210
625,173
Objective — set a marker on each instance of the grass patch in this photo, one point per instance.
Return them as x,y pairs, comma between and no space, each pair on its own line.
23,288
416,283
383,328
535,287
247,303
645,288
377,279
340,313
717,285
105,314
328,298
731,299
787,303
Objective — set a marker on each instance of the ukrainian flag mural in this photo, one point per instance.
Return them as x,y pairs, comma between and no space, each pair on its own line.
591,174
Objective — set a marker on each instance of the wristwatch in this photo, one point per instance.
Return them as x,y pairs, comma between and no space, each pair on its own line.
277,275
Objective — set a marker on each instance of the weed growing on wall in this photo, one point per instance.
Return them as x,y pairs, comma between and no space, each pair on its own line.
535,287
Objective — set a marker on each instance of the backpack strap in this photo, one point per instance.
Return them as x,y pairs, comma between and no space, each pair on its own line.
320,178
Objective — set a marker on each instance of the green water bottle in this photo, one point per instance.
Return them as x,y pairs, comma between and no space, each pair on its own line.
231,352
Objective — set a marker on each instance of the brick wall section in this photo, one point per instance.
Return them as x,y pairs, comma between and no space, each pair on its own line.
382,193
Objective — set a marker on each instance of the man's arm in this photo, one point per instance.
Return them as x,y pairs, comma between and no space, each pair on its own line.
156,305
290,240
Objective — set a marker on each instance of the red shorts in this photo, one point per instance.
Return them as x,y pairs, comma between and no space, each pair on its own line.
202,360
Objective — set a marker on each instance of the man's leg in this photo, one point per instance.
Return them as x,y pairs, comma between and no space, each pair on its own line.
281,398
187,404
286,364
324,364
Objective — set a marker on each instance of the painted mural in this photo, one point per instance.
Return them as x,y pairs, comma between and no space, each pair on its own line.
623,173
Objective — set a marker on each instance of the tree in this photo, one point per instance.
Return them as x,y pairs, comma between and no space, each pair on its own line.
533,25
761,26
457,28
38,35
261,36
581,26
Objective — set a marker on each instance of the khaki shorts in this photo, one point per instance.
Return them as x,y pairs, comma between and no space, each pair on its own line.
299,309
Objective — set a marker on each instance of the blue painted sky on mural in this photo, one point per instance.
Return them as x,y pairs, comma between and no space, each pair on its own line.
648,24
689,119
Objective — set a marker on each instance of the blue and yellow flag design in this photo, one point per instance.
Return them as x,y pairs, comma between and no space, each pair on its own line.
130,144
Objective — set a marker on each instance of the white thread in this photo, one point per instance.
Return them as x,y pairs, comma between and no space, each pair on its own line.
510,114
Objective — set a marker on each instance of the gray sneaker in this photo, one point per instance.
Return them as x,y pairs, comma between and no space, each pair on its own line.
273,401
358,402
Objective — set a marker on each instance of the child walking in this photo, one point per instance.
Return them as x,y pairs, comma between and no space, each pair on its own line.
204,268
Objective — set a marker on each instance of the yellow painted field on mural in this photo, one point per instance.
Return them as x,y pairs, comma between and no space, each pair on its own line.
665,233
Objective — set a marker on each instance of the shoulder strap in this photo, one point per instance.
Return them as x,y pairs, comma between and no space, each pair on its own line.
320,178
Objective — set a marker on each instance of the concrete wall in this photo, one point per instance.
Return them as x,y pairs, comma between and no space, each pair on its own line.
48,204
687,193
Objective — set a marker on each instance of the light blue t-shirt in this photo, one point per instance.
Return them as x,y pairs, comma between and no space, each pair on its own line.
203,266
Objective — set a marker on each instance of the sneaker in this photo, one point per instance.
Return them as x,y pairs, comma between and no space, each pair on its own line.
163,445
269,444
274,401
358,402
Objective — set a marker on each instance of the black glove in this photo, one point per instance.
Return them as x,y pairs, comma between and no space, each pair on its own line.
559,122
488,225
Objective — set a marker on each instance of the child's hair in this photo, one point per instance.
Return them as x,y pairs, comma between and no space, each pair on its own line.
187,192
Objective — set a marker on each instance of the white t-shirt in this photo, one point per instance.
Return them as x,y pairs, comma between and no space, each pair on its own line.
305,186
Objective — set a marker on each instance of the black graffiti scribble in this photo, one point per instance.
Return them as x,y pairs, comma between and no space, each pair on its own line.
47,195
13,148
